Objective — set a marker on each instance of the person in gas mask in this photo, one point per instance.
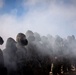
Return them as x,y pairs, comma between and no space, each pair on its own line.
21,53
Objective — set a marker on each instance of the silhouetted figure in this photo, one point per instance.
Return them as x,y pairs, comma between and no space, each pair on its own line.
66,65
1,41
56,66
3,70
10,56
21,54
32,54
45,65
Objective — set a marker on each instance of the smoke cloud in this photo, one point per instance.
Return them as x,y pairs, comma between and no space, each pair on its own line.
36,51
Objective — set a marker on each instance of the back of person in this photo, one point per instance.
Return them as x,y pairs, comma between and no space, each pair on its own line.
3,70
21,54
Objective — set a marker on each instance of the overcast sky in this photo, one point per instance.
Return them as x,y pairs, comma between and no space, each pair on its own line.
55,17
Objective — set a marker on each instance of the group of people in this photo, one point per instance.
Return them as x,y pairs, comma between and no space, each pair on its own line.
32,54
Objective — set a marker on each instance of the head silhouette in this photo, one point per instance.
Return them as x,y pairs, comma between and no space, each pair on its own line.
1,40
21,38
10,42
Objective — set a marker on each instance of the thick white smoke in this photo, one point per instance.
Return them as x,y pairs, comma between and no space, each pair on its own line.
31,50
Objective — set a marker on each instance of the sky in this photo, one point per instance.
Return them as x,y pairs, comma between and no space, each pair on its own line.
54,17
